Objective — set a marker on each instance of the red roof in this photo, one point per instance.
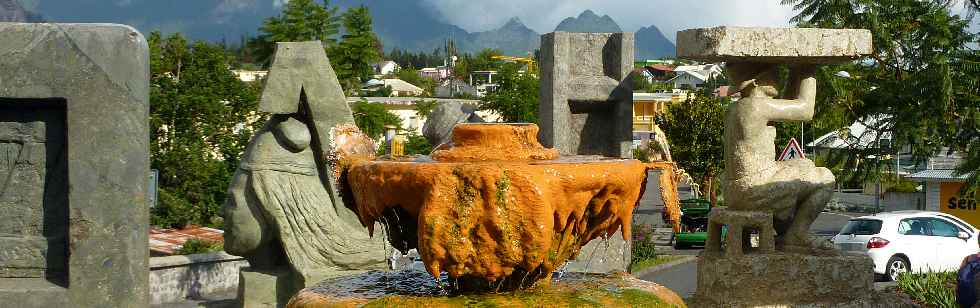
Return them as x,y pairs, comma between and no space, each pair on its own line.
660,67
168,241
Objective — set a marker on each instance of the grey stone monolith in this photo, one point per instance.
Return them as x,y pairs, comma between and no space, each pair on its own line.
586,108
586,103
74,164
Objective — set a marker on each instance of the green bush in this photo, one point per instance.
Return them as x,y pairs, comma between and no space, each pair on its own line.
932,289
417,145
193,246
643,247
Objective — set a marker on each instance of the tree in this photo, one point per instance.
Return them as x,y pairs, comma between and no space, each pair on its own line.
423,107
516,97
201,118
300,20
695,131
920,84
372,118
357,50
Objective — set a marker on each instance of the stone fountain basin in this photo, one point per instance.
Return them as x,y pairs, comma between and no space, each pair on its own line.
491,222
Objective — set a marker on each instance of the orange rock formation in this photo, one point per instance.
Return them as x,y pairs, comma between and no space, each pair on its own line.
491,216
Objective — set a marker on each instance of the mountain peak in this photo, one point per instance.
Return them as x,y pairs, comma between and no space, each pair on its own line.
588,21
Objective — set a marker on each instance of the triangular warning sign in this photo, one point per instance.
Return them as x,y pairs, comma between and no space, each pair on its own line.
792,151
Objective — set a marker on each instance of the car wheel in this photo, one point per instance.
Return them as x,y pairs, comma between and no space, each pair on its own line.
895,267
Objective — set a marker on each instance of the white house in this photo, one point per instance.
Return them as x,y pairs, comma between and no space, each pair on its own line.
249,76
386,67
398,87
695,76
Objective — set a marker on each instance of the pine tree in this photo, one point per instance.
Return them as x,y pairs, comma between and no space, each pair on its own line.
357,50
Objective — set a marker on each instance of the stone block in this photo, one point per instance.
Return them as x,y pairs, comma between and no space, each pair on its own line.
601,256
74,104
783,279
773,45
740,225
264,289
586,98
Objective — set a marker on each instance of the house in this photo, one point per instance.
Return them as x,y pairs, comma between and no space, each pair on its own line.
647,106
942,188
656,72
452,87
695,76
386,67
435,73
398,87
250,76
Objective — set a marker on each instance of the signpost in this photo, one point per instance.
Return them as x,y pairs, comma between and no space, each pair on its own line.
792,151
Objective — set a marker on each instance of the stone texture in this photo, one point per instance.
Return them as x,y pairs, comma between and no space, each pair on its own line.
285,213
773,45
177,278
439,124
74,111
586,97
783,279
740,225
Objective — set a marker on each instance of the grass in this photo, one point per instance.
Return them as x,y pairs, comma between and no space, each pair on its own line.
930,289
648,263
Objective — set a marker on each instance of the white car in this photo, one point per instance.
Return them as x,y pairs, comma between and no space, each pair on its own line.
916,241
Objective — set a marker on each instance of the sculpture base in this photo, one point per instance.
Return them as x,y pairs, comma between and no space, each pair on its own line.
274,288
783,279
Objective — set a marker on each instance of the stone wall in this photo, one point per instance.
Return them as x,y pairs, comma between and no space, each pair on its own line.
175,278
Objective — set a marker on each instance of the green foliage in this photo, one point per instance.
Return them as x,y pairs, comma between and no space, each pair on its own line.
411,75
516,97
643,247
695,131
193,246
641,154
300,20
922,80
384,91
201,117
371,118
424,107
932,289
417,145
412,60
354,55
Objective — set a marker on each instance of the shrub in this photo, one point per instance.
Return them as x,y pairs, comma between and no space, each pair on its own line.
932,289
193,246
643,247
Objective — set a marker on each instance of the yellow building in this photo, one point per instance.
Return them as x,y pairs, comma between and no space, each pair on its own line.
646,107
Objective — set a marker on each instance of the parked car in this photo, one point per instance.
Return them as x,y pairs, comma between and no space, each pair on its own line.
916,241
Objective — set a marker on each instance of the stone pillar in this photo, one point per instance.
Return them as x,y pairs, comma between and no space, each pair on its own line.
586,97
74,153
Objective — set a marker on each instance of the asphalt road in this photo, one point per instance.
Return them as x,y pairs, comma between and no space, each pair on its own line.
683,278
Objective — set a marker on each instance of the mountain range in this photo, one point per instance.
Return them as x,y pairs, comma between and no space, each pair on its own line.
406,24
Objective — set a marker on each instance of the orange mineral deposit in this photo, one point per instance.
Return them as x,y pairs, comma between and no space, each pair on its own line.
495,209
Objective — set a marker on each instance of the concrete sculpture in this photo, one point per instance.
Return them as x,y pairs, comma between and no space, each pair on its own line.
586,98
74,159
285,213
777,200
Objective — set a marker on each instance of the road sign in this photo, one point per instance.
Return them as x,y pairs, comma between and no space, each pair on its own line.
792,151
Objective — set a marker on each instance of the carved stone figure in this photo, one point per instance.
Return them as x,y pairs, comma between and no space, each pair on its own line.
285,213
794,191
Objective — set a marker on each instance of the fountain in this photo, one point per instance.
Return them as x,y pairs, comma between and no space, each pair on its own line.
493,210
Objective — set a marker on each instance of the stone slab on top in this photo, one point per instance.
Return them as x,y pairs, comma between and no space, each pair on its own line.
773,45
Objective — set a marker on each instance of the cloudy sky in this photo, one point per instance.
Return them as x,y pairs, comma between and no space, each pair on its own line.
668,15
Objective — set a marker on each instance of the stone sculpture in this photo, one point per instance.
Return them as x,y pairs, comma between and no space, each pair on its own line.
285,213
586,109
439,124
586,96
74,164
777,200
